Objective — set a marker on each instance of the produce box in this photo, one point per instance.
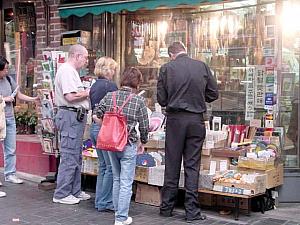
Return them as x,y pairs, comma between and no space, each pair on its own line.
147,194
257,186
257,164
274,176
141,174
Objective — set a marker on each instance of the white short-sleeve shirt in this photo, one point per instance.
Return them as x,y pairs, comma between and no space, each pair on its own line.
67,80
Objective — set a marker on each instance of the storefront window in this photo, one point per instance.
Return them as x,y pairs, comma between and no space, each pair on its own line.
289,98
101,36
19,42
232,38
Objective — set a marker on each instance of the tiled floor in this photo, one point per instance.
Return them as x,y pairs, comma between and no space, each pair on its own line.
26,204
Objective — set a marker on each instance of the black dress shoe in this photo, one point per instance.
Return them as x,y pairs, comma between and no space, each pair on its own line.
202,217
165,214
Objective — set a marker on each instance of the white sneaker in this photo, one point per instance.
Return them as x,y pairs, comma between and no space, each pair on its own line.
2,194
83,196
69,200
126,222
13,179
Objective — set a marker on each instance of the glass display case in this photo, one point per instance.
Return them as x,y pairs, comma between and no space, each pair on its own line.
226,37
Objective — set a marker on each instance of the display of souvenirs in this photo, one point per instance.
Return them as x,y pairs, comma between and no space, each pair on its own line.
49,138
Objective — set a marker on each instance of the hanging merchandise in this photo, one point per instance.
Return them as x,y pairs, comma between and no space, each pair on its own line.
49,138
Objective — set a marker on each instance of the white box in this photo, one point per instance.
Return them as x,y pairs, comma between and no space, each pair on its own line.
157,173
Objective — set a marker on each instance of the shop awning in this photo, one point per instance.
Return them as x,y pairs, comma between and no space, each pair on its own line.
96,8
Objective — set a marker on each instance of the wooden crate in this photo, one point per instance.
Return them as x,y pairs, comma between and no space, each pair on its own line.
147,194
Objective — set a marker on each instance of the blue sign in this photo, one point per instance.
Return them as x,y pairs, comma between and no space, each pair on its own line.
269,99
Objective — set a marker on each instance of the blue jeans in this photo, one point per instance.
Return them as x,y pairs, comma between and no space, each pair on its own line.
123,166
9,147
103,199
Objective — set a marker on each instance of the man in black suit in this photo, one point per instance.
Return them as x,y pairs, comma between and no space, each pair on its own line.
184,85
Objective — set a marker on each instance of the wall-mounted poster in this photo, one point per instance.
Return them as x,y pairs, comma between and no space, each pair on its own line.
249,113
260,83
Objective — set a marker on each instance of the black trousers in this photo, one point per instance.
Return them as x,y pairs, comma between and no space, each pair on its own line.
185,133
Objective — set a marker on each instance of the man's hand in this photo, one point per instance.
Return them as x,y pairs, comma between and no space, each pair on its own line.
87,92
97,120
9,99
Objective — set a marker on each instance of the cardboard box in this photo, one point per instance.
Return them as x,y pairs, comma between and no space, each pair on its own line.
206,199
213,144
155,144
257,164
205,180
141,174
205,161
258,186
206,151
231,190
274,177
156,176
223,152
77,37
147,194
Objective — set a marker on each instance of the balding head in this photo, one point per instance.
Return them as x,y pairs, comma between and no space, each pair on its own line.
76,49
78,56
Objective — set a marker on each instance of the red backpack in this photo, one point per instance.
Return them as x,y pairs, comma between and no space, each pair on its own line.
113,134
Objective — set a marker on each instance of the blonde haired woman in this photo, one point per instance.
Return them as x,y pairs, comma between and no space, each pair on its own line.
105,69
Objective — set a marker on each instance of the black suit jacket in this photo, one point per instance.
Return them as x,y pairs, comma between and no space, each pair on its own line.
185,84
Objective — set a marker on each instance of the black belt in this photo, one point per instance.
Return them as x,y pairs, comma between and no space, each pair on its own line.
73,109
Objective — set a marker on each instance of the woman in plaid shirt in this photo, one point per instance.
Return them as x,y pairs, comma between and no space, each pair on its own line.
123,163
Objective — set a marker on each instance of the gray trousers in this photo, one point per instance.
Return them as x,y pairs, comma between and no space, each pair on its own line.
69,172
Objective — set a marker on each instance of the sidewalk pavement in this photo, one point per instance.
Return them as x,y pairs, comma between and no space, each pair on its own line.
26,204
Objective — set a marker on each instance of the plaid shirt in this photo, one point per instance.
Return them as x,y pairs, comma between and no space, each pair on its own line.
135,111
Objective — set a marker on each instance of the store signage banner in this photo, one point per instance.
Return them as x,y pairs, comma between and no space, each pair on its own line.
269,99
260,81
249,112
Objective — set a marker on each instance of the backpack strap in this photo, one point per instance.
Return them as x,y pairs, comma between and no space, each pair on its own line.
125,102
114,102
9,81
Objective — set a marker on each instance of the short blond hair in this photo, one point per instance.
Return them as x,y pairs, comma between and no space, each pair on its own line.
103,65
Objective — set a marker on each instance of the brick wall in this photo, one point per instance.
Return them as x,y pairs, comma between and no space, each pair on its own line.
55,26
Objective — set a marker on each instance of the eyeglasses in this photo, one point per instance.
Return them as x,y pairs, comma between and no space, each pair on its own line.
84,56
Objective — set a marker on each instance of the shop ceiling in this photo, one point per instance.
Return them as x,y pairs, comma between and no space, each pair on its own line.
76,8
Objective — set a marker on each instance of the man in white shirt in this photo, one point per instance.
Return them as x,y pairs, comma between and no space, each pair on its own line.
73,104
